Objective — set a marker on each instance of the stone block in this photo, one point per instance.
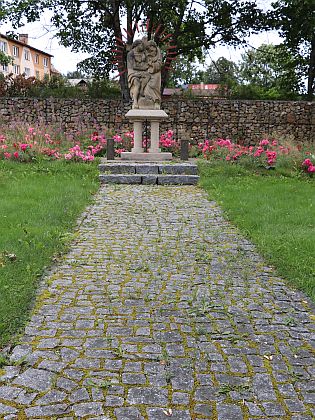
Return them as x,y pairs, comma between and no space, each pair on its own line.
149,168
148,157
178,169
120,179
178,179
117,168
149,179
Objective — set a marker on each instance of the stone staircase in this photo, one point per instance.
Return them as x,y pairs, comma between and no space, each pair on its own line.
148,173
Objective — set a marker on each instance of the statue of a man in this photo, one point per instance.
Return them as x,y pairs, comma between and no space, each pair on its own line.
144,74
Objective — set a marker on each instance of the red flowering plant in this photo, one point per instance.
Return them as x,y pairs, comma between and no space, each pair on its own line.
308,165
266,154
168,143
27,144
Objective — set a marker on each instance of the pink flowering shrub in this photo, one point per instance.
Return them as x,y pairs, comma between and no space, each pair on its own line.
309,165
21,143
267,153
32,143
168,143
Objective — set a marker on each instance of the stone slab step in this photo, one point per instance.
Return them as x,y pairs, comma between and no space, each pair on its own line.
132,168
149,179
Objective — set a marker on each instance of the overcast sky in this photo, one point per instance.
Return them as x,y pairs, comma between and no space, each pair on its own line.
64,60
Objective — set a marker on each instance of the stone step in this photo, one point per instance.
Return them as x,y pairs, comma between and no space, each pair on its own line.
132,168
149,179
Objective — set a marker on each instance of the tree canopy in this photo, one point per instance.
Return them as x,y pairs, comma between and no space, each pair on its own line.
295,20
271,68
99,27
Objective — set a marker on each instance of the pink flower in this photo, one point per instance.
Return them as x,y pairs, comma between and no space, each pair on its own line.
259,151
117,138
24,146
271,156
7,155
307,162
311,168
129,134
16,155
264,142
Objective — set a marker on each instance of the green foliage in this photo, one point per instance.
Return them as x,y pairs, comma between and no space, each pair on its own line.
221,71
270,66
39,206
5,59
56,86
194,25
185,72
295,19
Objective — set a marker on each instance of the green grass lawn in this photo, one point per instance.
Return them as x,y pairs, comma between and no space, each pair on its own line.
277,213
39,206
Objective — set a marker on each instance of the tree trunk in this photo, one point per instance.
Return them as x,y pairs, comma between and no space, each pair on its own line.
311,72
123,81
123,78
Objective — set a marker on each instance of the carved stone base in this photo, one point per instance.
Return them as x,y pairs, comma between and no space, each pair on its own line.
148,157
137,117
146,114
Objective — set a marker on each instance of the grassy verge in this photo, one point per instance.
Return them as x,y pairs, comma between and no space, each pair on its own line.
277,213
39,205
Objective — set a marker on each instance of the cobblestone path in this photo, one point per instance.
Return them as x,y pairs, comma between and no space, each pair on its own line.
162,310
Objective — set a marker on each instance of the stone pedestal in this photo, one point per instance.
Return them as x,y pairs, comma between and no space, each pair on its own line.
137,117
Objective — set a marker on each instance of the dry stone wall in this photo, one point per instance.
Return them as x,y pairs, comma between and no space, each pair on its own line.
246,121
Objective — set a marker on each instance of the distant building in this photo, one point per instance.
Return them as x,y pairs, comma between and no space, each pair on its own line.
81,83
204,86
201,89
26,59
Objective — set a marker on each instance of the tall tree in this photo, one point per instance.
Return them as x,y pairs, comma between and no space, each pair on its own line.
295,20
221,71
185,72
270,67
101,26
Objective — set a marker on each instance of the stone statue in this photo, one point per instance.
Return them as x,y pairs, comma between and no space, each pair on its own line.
144,74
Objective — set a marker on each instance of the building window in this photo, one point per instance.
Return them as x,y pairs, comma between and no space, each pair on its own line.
5,68
3,46
27,55
37,74
36,59
45,62
27,71
15,51
16,69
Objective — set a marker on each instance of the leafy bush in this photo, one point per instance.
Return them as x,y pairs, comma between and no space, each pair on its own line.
56,86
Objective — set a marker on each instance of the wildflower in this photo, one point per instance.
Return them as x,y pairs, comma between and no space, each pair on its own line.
259,151
117,139
24,146
264,142
307,162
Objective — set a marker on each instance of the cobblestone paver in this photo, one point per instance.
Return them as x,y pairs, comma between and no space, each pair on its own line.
162,310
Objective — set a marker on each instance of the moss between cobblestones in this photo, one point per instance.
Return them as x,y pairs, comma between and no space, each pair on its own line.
160,293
